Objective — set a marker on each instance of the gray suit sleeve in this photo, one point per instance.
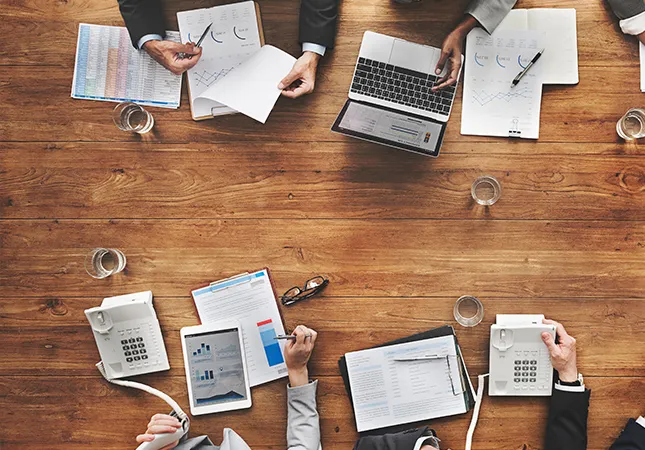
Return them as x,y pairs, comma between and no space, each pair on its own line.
303,422
489,13
624,9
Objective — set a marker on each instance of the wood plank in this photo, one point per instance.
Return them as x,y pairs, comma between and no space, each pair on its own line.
81,422
331,180
361,257
77,120
56,335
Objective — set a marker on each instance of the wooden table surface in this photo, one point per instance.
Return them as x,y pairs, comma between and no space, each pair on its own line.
397,234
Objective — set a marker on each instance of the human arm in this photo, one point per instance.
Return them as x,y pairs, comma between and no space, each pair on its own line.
317,34
632,16
303,421
485,13
569,409
632,437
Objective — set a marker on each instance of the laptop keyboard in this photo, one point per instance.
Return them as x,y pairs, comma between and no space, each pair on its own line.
403,86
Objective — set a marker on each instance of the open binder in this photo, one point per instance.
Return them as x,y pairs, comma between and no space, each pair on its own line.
446,330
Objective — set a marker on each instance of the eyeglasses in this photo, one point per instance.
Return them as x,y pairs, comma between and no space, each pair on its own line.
311,288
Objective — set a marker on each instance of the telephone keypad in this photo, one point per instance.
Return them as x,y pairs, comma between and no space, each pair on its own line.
134,349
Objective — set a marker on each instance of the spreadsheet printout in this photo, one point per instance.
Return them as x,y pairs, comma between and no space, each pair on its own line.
108,68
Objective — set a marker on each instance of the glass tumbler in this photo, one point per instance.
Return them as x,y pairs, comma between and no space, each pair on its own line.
632,125
468,311
132,117
486,190
103,262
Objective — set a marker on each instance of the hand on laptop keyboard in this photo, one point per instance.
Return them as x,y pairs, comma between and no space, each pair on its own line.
451,51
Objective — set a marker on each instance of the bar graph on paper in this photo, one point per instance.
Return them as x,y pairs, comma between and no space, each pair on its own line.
271,346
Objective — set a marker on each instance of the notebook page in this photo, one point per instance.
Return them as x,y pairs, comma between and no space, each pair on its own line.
561,55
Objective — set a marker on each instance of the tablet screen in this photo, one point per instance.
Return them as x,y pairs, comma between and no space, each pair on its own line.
215,366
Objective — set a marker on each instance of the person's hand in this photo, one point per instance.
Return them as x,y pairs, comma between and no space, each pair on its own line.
297,353
167,53
302,78
563,352
160,423
451,51
641,37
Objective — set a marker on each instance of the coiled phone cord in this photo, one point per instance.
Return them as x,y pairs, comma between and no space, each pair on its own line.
181,415
478,404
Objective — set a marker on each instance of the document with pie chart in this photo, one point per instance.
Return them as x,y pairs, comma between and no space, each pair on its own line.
236,34
491,107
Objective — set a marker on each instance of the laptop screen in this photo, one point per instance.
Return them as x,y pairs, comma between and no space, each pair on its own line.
389,127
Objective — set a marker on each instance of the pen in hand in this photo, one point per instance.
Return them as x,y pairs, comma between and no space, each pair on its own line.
290,337
199,43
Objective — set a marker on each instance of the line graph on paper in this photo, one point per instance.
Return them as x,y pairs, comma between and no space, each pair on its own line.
483,97
205,78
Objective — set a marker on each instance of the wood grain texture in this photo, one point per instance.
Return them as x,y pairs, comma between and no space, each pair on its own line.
397,234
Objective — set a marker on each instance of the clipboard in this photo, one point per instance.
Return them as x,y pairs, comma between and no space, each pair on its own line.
445,330
262,42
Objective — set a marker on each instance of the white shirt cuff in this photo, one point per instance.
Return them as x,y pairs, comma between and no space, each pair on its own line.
560,387
422,440
641,421
316,48
634,25
148,37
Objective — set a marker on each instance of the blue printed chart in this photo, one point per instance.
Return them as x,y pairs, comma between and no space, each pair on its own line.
109,68
270,344
491,106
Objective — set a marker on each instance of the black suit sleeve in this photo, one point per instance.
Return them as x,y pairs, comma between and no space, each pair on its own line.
318,22
142,17
632,437
567,425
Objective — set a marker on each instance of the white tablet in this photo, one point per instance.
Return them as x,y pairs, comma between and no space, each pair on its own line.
215,365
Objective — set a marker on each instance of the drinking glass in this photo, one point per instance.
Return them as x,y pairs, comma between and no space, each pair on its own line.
486,190
468,311
132,117
632,125
103,262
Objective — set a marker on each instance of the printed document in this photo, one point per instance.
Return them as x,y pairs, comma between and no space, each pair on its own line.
386,392
491,107
252,87
560,59
234,36
249,299
109,68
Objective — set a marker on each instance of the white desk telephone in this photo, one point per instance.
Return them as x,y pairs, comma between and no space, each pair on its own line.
520,364
130,342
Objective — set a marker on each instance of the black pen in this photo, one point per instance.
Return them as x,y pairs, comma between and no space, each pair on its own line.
526,69
201,39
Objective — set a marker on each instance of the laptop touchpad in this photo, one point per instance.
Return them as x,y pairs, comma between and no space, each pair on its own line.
414,56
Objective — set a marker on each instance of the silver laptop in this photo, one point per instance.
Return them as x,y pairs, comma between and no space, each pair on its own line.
391,100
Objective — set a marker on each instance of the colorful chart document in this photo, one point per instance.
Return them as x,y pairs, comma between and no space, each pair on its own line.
249,299
491,107
109,68
387,392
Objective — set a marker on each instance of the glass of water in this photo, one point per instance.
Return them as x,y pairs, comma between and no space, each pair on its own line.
468,311
103,262
632,125
132,117
486,190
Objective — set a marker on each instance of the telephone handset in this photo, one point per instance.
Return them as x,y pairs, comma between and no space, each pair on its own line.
520,364
130,342
128,335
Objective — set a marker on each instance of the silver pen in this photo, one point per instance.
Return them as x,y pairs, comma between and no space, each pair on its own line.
519,76
182,55
290,337
419,358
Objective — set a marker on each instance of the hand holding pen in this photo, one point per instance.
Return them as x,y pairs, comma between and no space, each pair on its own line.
297,353
198,45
